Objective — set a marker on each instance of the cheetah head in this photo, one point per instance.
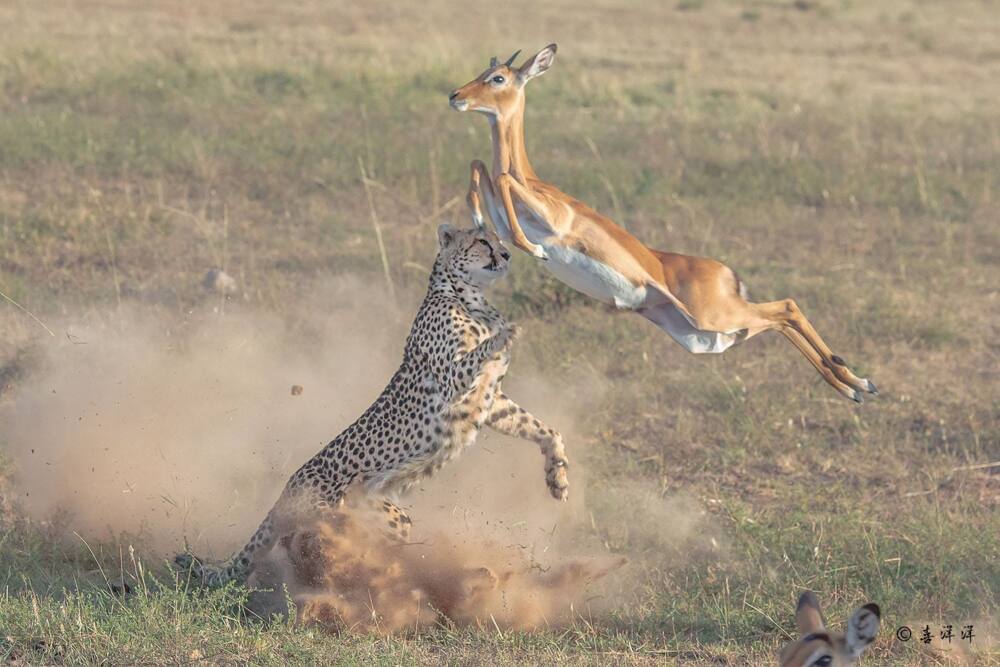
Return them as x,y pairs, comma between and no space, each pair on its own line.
477,255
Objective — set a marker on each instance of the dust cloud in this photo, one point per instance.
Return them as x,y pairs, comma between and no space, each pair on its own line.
156,428
151,430
345,573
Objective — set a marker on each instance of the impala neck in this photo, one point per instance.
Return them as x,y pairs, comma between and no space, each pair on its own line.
509,154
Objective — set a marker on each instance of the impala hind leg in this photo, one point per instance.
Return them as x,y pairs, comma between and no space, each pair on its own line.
735,320
786,313
803,346
700,341
719,315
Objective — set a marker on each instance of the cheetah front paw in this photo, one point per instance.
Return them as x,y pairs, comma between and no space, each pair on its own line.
556,478
506,336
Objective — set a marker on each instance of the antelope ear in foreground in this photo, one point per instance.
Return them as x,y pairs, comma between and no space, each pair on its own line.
818,647
862,628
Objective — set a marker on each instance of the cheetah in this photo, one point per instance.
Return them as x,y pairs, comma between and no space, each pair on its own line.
818,647
446,389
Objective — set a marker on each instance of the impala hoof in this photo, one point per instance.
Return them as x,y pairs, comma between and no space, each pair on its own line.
872,389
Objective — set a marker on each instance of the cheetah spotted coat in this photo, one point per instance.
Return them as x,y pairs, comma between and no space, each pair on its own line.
446,388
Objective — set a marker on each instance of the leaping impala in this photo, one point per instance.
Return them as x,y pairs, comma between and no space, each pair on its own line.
700,302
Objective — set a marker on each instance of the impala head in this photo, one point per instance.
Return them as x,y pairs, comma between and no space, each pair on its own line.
500,88
818,647
476,255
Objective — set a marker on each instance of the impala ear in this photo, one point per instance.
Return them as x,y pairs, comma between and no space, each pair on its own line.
808,616
537,64
862,628
446,234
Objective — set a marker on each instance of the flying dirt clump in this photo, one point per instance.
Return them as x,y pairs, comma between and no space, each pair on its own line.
345,574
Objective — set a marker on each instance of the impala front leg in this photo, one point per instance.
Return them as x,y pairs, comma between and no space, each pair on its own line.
506,184
479,178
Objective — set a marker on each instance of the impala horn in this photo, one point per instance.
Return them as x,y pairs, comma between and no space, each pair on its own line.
494,61
510,61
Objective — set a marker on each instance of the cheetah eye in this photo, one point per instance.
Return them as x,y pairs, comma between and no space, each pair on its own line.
498,79
485,242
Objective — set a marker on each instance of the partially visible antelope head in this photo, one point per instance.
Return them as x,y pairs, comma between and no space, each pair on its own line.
499,90
817,647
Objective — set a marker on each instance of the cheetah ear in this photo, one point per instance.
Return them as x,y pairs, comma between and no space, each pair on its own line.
446,234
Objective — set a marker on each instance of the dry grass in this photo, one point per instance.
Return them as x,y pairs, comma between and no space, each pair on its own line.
842,153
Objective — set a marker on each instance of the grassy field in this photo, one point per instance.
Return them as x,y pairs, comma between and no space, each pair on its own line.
843,153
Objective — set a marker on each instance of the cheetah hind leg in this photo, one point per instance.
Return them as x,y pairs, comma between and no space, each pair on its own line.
208,575
235,569
397,521
396,527
197,572
379,514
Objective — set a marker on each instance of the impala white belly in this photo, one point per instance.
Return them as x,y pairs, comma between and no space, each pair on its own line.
581,272
667,317
592,277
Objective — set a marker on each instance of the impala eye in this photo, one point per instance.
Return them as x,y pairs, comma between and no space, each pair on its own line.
825,661
498,79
